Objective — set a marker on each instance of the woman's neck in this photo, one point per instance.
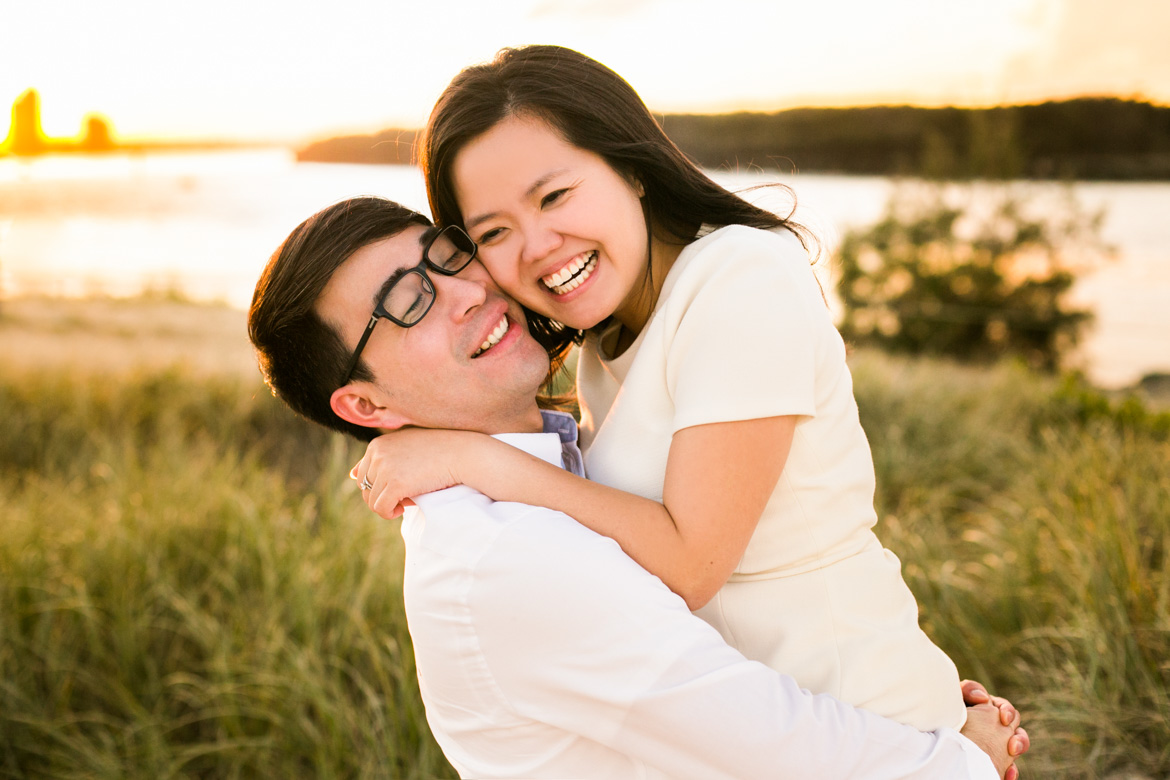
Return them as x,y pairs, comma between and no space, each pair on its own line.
636,309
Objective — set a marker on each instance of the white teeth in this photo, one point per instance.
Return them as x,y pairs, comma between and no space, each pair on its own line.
566,273
493,337
572,275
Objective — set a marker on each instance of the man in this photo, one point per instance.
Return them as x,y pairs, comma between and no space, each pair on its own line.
542,649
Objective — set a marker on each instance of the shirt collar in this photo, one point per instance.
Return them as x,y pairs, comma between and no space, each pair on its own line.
556,445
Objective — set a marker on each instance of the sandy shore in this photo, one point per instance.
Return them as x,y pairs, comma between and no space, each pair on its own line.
118,336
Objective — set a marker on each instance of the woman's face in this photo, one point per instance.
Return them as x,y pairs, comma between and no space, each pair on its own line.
558,228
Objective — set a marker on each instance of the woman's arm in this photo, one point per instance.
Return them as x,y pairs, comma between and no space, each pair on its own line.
719,477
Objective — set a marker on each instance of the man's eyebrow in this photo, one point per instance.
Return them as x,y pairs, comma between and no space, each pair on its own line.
398,273
536,185
386,285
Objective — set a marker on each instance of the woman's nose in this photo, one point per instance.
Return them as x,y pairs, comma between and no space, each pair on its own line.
539,241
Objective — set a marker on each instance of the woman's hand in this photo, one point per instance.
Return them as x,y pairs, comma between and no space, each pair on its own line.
409,462
984,728
975,696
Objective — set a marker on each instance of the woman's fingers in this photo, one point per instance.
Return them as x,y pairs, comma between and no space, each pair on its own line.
973,692
376,493
1008,714
1019,743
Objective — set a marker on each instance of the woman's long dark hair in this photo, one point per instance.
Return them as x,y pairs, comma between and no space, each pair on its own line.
595,109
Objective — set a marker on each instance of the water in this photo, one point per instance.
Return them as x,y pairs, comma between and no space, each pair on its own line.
204,225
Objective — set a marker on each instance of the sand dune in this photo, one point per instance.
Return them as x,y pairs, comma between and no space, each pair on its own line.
117,336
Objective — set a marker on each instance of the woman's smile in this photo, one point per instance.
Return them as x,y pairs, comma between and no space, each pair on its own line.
573,275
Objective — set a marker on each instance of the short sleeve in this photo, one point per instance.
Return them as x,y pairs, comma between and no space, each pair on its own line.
745,322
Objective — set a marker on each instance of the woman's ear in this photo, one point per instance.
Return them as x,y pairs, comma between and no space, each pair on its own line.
353,405
632,180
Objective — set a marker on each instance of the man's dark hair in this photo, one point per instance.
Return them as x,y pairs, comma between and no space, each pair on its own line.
302,357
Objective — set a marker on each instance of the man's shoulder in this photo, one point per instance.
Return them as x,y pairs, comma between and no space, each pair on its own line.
460,529
461,520
501,550
528,585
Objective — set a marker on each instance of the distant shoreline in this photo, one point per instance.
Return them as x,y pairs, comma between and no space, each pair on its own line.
141,147
1088,139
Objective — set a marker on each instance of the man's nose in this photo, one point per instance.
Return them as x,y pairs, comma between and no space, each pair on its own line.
464,292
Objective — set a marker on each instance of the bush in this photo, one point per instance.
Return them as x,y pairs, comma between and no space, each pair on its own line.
974,283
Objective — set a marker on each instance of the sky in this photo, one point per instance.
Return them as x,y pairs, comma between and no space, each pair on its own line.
293,71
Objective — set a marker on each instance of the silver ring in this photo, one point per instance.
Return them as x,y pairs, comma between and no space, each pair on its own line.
366,484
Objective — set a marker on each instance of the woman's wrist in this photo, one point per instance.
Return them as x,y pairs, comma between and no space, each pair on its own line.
497,469
471,452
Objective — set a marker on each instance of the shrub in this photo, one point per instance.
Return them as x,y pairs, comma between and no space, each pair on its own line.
973,282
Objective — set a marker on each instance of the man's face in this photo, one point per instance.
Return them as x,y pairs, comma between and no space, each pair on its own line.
434,375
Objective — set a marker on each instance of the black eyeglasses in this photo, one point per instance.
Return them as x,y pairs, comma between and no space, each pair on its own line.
408,294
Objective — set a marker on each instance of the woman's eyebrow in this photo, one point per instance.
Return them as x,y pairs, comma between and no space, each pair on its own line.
543,180
536,185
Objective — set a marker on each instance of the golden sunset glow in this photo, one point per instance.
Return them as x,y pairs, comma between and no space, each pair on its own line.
292,71
26,136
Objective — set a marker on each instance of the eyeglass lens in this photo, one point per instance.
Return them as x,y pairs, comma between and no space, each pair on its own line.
450,250
409,298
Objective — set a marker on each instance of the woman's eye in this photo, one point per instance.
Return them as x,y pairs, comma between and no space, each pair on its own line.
552,197
489,236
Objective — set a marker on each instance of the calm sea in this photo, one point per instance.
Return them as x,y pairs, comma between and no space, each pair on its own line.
204,224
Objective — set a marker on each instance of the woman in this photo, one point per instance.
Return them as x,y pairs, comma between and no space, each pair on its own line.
717,411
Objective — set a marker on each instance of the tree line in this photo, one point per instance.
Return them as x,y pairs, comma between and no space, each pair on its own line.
1085,138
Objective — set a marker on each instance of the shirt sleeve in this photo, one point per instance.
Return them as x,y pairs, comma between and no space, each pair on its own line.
745,321
584,639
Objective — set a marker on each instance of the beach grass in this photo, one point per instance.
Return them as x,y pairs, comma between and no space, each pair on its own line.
1032,517
192,587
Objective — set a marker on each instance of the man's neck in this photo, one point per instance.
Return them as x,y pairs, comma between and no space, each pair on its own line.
527,421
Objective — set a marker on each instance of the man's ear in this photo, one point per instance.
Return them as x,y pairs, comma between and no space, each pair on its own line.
354,406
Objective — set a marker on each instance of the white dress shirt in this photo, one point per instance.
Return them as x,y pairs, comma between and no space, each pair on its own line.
543,651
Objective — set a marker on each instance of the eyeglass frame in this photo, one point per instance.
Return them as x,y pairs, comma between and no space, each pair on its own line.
421,269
